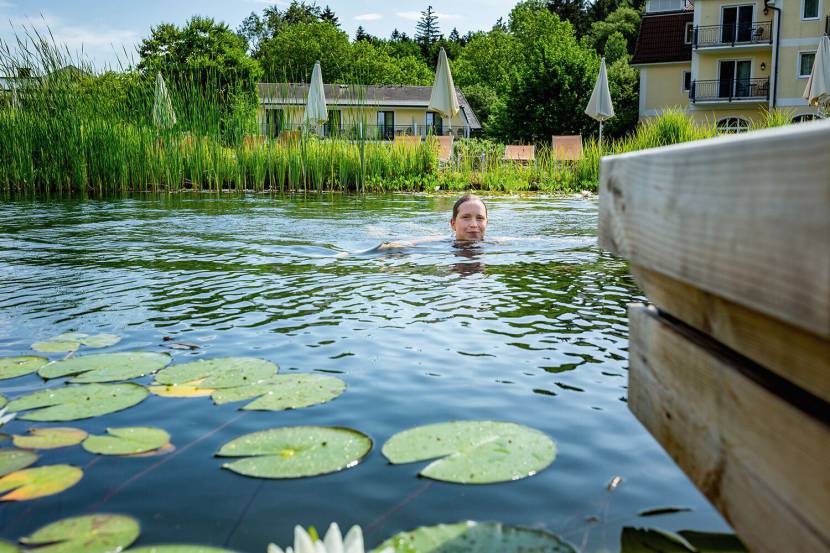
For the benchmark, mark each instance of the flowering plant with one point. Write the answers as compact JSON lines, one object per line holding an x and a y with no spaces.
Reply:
{"x":332,"y":543}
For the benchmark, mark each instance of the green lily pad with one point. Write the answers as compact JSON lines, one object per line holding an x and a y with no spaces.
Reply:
{"x":179,"y":549}
{"x":85,"y":534}
{"x":6,"y":547}
{"x":127,"y":441}
{"x":100,"y":340}
{"x":473,"y":452}
{"x":12,"y":367}
{"x":14,"y":459}
{"x":296,"y":451}
{"x":38,"y":482}
{"x":78,"y":402}
{"x":56,"y":346}
{"x":49,"y":438}
{"x":290,"y":391}
{"x":3,"y":400}
{"x":107,"y":367}
{"x":224,"y":372}
{"x":473,"y":537}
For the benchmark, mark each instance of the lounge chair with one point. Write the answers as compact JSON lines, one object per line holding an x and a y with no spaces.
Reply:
{"x":444,"y":148}
{"x":567,"y":147}
{"x":290,"y":136}
{"x":253,"y":141}
{"x":519,"y":154}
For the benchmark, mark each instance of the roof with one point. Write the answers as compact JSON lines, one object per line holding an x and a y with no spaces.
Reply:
{"x":360,"y":95}
{"x":661,"y":38}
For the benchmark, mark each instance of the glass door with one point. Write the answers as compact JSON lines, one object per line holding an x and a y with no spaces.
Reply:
{"x":726,"y":80}
{"x":434,"y":123}
{"x":743,"y":71}
{"x":736,"y":24}
{"x":386,"y":124}
{"x":734,"y":80}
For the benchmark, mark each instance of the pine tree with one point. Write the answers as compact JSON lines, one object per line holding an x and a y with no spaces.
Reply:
{"x":361,"y":34}
{"x":500,"y":25}
{"x":454,"y":36}
{"x":396,"y":35}
{"x":427,"y":31}
{"x":328,"y":15}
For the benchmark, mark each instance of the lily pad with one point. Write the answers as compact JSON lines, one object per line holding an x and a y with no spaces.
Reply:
{"x":100,"y":340}
{"x":78,"y":402}
{"x":15,"y":459}
{"x":473,"y":452}
{"x":296,"y":451}
{"x":49,"y":438}
{"x":6,"y":547}
{"x":127,"y":441}
{"x":224,"y":372}
{"x":85,"y":534}
{"x":3,"y":400}
{"x":291,"y":391}
{"x":107,"y":367}
{"x":713,"y":542}
{"x":649,"y":540}
{"x":191,"y":389}
{"x":179,"y":549}
{"x":55,"y":346}
{"x":473,"y":537}
{"x":12,"y":367}
{"x":38,"y":482}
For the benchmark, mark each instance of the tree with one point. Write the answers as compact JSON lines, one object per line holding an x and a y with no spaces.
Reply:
{"x":624,"y":84}
{"x":616,"y":48}
{"x":427,"y":31}
{"x":500,"y":25}
{"x":300,"y":12}
{"x":454,"y":36}
{"x":624,"y":20}
{"x":290,"y":55}
{"x":573,"y":11}
{"x":361,"y":34}
{"x":482,"y":98}
{"x":328,"y":15}
{"x":492,"y":59}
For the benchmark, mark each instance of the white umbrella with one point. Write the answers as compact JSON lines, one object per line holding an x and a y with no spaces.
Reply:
{"x":818,"y":85}
{"x":600,"y":106}
{"x":163,"y":115}
{"x":315,"y":107}
{"x":443,"y":98}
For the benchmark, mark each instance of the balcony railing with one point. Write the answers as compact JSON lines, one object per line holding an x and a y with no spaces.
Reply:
{"x":387,"y":132}
{"x":729,"y":90}
{"x":708,"y":36}
{"x":655,"y":6}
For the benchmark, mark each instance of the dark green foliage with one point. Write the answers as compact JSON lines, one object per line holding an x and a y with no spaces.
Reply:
{"x":427,"y":31}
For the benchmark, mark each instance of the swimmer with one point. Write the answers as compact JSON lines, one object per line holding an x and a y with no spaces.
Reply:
{"x":468,"y":223}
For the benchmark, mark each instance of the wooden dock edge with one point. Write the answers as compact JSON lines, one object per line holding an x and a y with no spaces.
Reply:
{"x":761,"y":460}
{"x":798,"y":356}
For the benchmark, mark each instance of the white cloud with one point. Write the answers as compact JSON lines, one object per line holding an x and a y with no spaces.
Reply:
{"x":412,"y":16}
{"x":368,"y":17}
{"x":447,"y":16}
{"x":6,"y":4}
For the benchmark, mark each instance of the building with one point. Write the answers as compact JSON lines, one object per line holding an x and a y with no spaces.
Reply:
{"x":376,"y":112}
{"x":727,"y":61}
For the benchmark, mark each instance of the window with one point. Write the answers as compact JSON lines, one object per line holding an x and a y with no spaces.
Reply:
{"x":690,"y":33}
{"x":687,"y":81}
{"x":386,"y":124}
{"x":733,"y":125}
{"x":805,"y":117}
{"x":809,"y":9}
{"x":273,"y":122}
{"x":805,"y":64}
{"x":434,"y":123}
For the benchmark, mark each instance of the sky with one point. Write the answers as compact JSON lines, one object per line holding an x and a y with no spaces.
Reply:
{"x":104,"y":29}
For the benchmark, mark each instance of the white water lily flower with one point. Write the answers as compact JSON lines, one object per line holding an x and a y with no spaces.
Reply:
{"x":332,"y":543}
{"x":4,"y":418}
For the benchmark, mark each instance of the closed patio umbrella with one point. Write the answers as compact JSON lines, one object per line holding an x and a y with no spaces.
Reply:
{"x":163,"y":115}
{"x":818,"y":85}
{"x":315,"y":107}
{"x":600,"y":106}
{"x":443,"y":98}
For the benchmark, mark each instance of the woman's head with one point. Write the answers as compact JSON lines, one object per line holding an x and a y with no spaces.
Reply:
{"x":469,"y":218}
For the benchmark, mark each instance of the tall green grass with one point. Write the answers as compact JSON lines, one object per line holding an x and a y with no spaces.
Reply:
{"x":75,"y":131}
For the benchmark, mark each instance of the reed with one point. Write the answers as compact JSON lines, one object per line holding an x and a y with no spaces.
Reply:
{"x":68,"y":130}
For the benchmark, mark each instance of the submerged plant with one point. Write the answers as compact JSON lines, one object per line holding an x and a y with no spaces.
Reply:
{"x":304,"y":542}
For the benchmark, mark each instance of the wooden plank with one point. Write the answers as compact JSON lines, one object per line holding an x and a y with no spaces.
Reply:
{"x":761,"y":460}
{"x":798,"y":356}
{"x":746,"y":218}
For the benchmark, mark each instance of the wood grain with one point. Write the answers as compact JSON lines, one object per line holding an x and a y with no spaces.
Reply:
{"x":761,"y":460}
{"x":746,"y":218}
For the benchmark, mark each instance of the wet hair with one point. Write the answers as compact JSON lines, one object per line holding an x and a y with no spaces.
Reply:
{"x":463,"y":199}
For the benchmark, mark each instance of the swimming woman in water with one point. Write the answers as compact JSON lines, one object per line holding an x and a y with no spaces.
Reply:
{"x":469,"y":218}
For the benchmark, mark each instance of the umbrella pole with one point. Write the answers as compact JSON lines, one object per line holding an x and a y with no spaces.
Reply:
{"x":600,"y":136}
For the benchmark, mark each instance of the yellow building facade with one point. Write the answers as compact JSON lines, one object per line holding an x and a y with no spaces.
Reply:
{"x":735,"y":59}
{"x":374,"y":112}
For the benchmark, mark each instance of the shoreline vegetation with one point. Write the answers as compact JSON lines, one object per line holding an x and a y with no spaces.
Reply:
{"x":67,"y":130}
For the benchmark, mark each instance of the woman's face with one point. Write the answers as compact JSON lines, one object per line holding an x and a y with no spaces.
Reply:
{"x":470,"y":222}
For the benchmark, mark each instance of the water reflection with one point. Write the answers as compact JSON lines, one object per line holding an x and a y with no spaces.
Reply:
{"x":473,"y":253}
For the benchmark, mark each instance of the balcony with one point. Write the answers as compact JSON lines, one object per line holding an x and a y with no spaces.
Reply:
{"x":389,"y":132}
{"x":657,"y":6}
{"x":735,"y":35}
{"x":724,"y":91}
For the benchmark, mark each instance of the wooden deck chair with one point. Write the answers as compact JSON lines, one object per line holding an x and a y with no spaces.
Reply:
{"x":290,"y":136}
{"x":444,"y":148}
{"x":250,"y":142}
{"x":567,"y":147}
{"x":519,"y":154}
{"x":408,"y":140}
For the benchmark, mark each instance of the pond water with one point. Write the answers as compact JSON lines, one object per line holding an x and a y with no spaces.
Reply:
{"x":532,"y":330}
